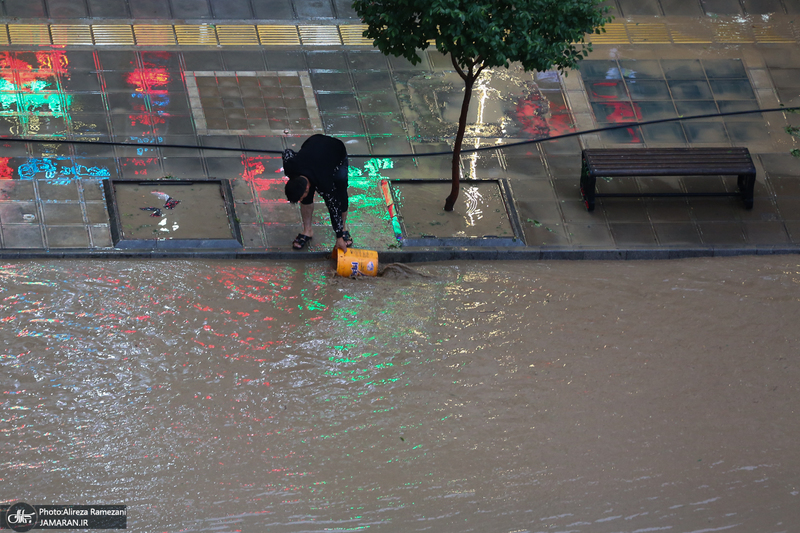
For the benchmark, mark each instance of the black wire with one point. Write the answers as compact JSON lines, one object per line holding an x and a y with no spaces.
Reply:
{"x":425,"y":154}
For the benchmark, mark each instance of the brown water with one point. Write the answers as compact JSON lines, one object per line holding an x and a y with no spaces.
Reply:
{"x":501,"y":397}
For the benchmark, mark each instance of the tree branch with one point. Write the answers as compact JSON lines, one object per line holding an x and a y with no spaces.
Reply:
{"x":458,"y":67}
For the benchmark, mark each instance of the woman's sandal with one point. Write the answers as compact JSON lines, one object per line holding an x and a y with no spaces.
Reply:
{"x":348,"y":240}
{"x":300,"y":241}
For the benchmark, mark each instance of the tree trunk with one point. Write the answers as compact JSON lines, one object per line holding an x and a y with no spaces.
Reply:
{"x":469,"y":82}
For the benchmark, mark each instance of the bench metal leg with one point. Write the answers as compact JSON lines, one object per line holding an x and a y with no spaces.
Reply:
{"x":747,"y":183}
{"x":588,"y":184}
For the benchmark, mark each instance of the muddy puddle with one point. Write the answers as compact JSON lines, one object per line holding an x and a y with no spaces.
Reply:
{"x":517,"y":396}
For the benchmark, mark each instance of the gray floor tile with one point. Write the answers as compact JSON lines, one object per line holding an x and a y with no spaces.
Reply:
{"x":756,"y":7}
{"x":589,"y":235}
{"x":313,"y":9}
{"x":765,"y":233}
{"x":19,"y":213}
{"x":67,"y":9}
{"x":373,"y":81}
{"x":732,"y":90}
{"x":281,"y":212}
{"x":722,"y":233}
{"x":690,"y":90}
{"x":367,"y":60}
{"x":383,"y":124}
{"x":640,"y":7}
{"x":273,"y":9}
{"x":531,"y":167}
{"x":81,"y":81}
{"x":150,"y":9}
{"x":627,"y":210}
{"x":746,"y":132}
{"x":343,"y":125}
{"x":67,"y":236}
{"x":785,"y":186}
{"x":231,"y":9}
{"x":785,"y":77}
{"x":724,"y":68}
{"x":677,"y":234}
{"x":648,"y":90}
{"x":331,"y":81}
{"x":247,"y":213}
{"x":338,"y":103}
{"x":617,"y":186}
{"x":62,"y":214}
{"x":289,"y":60}
{"x":716,"y":209}
{"x":280,"y":236}
{"x":705,"y":132}
{"x":22,"y":236}
{"x":606,"y":90}
{"x":722,"y":7}
{"x":96,"y":212}
{"x":669,"y":134}
{"x":327,"y":61}
{"x":17,"y":190}
{"x":789,"y":97}
{"x":190,"y":9}
{"x":681,"y":8}
{"x":202,"y":60}
{"x":632,"y":234}
{"x":793,"y":227}
{"x":109,"y":9}
{"x":246,"y":60}
{"x":142,"y":168}
{"x":252,"y":236}
{"x":378,"y":102}
{"x":668,"y":209}
{"x":117,"y":59}
{"x":26,"y":9}
{"x":656,"y":110}
{"x":544,"y":233}
{"x":101,"y":236}
{"x":58,"y":190}
{"x":789,"y":207}
{"x":394,"y":144}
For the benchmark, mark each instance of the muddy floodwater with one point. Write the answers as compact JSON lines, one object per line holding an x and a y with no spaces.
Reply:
{"x":582,"y":397}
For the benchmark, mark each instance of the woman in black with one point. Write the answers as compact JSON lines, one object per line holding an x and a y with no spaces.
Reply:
{"x":320,"y":166}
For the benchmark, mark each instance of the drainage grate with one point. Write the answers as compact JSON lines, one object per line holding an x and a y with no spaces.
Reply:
{"x":253,"y":103}
{"x":113,"y":34}
{"x":64,"y":34}
{"x":279,"y":35}
{"x":38,"y":34}
{"x":154,"y":35}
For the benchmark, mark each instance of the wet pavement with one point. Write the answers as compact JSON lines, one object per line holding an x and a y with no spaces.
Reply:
{"x":302,"y":70}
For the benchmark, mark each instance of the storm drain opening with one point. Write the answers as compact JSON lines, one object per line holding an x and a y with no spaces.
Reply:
{"x":172,"y":214}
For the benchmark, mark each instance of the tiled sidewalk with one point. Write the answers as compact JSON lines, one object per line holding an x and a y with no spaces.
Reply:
{"x":52,"y":200}
{"x":286,"y":10}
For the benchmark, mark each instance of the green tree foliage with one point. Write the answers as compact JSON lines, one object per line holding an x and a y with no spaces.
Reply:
{"x":476,"y":34}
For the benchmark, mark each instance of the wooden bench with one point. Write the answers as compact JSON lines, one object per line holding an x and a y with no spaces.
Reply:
{"x":630,"y":163}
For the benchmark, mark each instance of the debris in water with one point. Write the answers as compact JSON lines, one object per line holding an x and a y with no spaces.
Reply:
{"x":156,"y":212}
{"x":169,"y":201}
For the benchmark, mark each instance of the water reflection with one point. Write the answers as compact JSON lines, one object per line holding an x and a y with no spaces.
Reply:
{"x":214,"y":396}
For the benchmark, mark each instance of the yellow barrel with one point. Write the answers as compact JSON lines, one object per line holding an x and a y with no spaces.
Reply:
{"x":356,"y":262}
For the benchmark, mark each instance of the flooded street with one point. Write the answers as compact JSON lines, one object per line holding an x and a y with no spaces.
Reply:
{"x":582,"y":397}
